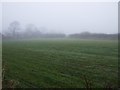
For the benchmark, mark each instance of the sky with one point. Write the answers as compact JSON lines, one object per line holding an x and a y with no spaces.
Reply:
{"x":0,"y":17}
{"x":63,"y":17}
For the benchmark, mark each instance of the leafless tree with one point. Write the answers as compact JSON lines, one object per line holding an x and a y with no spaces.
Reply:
{"x":14,"y":27}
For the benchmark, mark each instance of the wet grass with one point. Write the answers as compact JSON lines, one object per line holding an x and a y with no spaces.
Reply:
{"x":61,"y":63}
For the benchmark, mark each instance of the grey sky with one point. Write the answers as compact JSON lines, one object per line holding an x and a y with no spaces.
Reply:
{"x":98,"y":17}
{"x":0,"y":17}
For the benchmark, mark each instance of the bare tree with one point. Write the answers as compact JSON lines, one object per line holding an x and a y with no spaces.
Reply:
{"x":32,"y":31}
{"x":14,"y":27}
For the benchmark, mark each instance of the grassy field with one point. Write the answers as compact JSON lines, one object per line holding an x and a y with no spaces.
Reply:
{"x":61,"y":63}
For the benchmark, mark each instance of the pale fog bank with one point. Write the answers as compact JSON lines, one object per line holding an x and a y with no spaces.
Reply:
{"x":61,"y":17}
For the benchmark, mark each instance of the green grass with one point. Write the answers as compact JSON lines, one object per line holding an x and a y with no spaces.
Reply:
{"x":61,"y":63}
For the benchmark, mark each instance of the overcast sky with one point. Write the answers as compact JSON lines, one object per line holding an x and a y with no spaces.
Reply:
{"x":69,"y":17}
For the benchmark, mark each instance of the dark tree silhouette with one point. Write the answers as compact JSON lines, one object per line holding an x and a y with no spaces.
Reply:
{"x":14,"y":27}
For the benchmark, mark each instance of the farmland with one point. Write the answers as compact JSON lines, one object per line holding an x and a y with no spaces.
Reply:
{"x":61,"y":63}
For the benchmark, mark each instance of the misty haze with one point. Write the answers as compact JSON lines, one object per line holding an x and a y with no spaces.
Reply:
{"x":60,"y":44}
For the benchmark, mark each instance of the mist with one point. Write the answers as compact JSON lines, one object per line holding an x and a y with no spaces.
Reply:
{"x":59,"y":44}
{"x":63,"y":17}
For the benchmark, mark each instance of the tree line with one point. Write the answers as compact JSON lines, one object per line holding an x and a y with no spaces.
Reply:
{"x":88,"y":35}
{"x":14,"y":31}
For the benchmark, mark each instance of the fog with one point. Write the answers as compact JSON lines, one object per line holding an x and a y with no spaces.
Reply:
{"x":61,"y":17}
